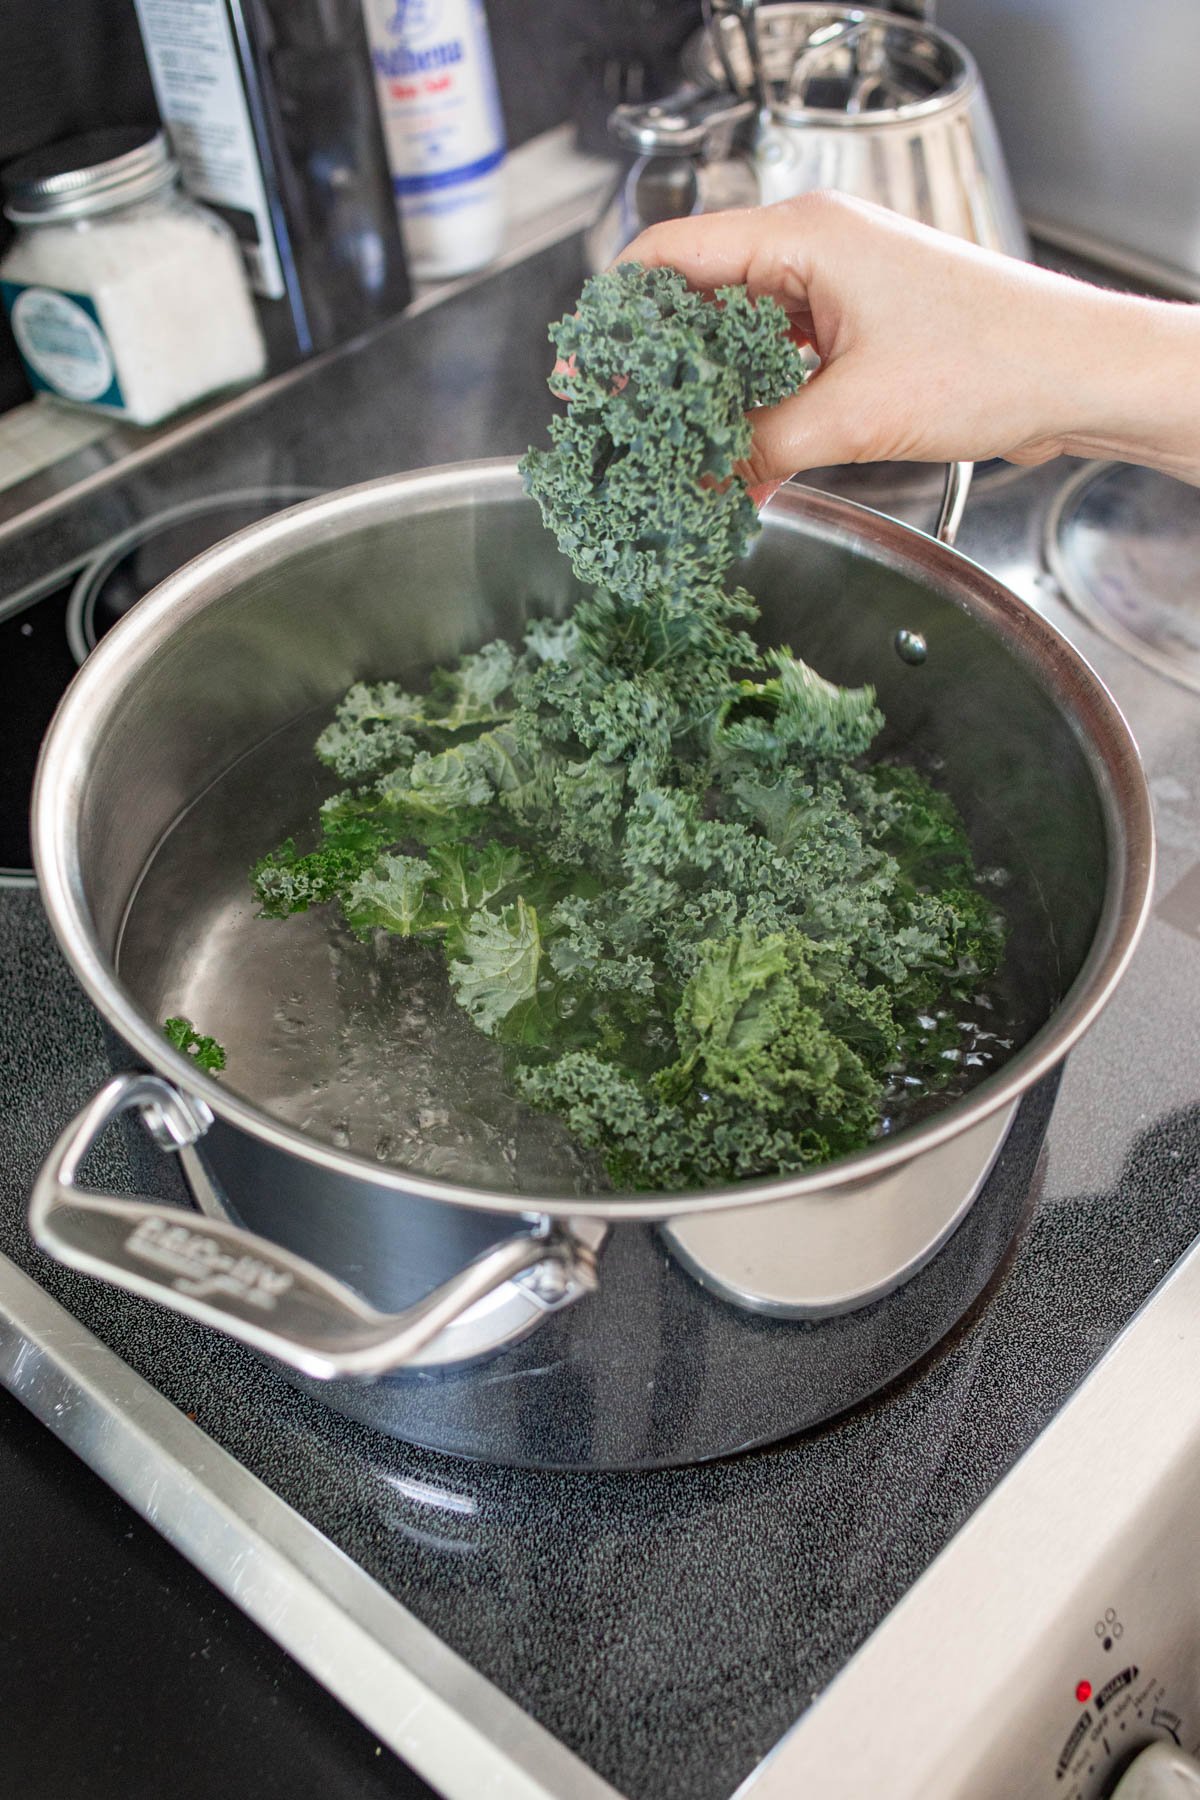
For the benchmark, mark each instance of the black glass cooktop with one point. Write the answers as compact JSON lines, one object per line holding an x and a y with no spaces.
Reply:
{"x":35,"y":666}
{"x":666,"y":1626}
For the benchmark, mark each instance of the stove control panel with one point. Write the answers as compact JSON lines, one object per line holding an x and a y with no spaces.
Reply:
{"x":1124,"y":1693}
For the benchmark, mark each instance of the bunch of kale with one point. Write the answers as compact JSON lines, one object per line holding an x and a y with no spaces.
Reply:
{"x":663,"y":872}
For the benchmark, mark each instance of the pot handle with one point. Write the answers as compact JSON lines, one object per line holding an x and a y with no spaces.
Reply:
{"x":954,"y":501}
{"x":251,"y":1289}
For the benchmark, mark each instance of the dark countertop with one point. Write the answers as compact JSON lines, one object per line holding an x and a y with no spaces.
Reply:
{"x":460,"y":380}
{"x":127,"y":1675}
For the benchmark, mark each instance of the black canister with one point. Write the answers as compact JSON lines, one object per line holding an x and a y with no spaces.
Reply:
{"x":271,"y":114}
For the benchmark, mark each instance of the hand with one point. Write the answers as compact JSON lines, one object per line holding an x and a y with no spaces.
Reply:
{"x":934,"y":350}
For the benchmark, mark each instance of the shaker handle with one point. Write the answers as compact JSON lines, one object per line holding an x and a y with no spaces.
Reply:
{"x":680,"y":124}
{"x":255,"y":1291}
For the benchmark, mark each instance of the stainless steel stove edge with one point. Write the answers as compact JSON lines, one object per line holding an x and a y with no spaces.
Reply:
{"x":451,"y":1725}
{"x":997,"y":1677}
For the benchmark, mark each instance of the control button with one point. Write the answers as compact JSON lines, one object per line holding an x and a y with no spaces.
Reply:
{"x":1108,"y":1693}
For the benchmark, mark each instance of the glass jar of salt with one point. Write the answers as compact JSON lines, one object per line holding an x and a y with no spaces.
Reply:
{"x":124,"y":294}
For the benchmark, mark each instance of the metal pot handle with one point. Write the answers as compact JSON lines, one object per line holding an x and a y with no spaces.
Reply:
{"x":251,"y":1289}
{"x":954,"y":501}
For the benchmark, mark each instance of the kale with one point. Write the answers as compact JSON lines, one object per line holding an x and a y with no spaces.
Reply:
{"x":205,"y":1052}
{"x":712,"y":933}
{"x":639,"y":484}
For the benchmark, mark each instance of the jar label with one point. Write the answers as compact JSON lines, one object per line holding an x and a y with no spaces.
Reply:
{"x":62,"y":344}
{"x":202,"y":97}
{"x":436,"y":89}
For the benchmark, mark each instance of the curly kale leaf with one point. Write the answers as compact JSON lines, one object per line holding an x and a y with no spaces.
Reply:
{"x":649,"y":1141}
{"x":494,"y":963}
{"x":710,"y":933}
{"x":552,"y":640}
{"x":204,"y":1051}
{"x":471,"y":692}
{"x":782,"y":1056}
{"x":414,"y":896}
{"x":639,"y":484}
{"x":371,"y":730}
{"x":796,"y":715}
{"x":466,"y":879}
{"x":286,"y":882}
{"x":393,"y":895}
{"x":378,"y":728}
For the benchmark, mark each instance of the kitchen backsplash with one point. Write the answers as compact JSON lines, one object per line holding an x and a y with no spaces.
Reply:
{"x":1096,"y":105}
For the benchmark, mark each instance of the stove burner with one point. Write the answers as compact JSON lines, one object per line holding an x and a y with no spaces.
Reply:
{"x":38,"y":656}
{"x":35,"y":667}
{"x":125,"y":569}
{"x":1124,"y":546}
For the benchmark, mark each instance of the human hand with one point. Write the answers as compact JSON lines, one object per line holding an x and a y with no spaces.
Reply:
{"x":933,"y":350}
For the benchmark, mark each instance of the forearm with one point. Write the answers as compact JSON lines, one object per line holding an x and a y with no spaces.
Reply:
{"x":1143,"y":388}
{"x":934,"y":350}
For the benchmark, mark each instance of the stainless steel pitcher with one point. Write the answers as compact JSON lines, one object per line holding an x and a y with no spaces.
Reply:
{"x":782,"y":99}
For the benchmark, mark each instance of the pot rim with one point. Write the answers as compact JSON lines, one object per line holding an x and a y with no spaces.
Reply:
{"x":1063,"y":673}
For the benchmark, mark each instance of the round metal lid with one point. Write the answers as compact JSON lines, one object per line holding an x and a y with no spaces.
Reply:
{"x":88,"y":174}
{"x":1124,"y":546}
{"x":836,"y":65}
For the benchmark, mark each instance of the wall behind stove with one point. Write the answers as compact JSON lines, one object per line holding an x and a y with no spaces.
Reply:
{"x":1096,"y":105}
{"x":75,"y":65}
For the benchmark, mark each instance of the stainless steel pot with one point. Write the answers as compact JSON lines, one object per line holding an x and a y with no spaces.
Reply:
{"x":557,"y":1328}
{"x":850,"y":98}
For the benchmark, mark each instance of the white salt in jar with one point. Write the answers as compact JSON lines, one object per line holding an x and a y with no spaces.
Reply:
{"x":124,"y":295}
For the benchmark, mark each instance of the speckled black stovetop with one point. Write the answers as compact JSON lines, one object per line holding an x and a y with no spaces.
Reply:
{"x":667,"y":1626}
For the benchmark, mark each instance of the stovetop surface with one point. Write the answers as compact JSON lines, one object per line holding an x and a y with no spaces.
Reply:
{"x":667,"y":1626}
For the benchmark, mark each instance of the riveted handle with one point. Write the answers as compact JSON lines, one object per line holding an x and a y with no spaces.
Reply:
{"x":251,"y":1289}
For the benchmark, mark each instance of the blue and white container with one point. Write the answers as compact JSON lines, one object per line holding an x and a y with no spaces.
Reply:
{"x":436,"y":86}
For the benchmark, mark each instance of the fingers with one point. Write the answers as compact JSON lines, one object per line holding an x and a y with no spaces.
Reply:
{"x":824,"y":423}
{"x":761,"y":492}
{"x":755,"y":248}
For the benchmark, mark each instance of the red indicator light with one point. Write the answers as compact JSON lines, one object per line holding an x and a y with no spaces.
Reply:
{"x":1083,"y":1691}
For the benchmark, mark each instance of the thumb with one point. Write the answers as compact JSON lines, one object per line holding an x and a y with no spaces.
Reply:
{"x":821,"y":424}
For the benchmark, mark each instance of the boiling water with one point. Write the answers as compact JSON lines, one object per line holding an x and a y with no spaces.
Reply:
{"x":363,"y":1045}
{"x":360,"y":1045}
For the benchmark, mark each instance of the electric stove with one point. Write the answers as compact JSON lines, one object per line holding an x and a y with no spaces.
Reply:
{"x":886,"y":1605}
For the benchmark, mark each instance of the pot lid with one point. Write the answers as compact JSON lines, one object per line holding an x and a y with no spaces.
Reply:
{"x":832,"y":65}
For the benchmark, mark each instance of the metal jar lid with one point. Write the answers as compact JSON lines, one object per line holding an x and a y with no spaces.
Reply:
{"x":84,"y":175}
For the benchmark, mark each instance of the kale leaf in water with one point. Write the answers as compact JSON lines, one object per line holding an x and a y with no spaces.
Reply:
{"x":204,"y":1051}
{"x":665,"y":872}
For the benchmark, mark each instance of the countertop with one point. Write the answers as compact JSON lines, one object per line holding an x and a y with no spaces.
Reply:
{"x":127,"y":1675}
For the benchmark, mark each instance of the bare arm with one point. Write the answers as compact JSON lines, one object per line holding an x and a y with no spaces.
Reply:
{"x":934,"y":350}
